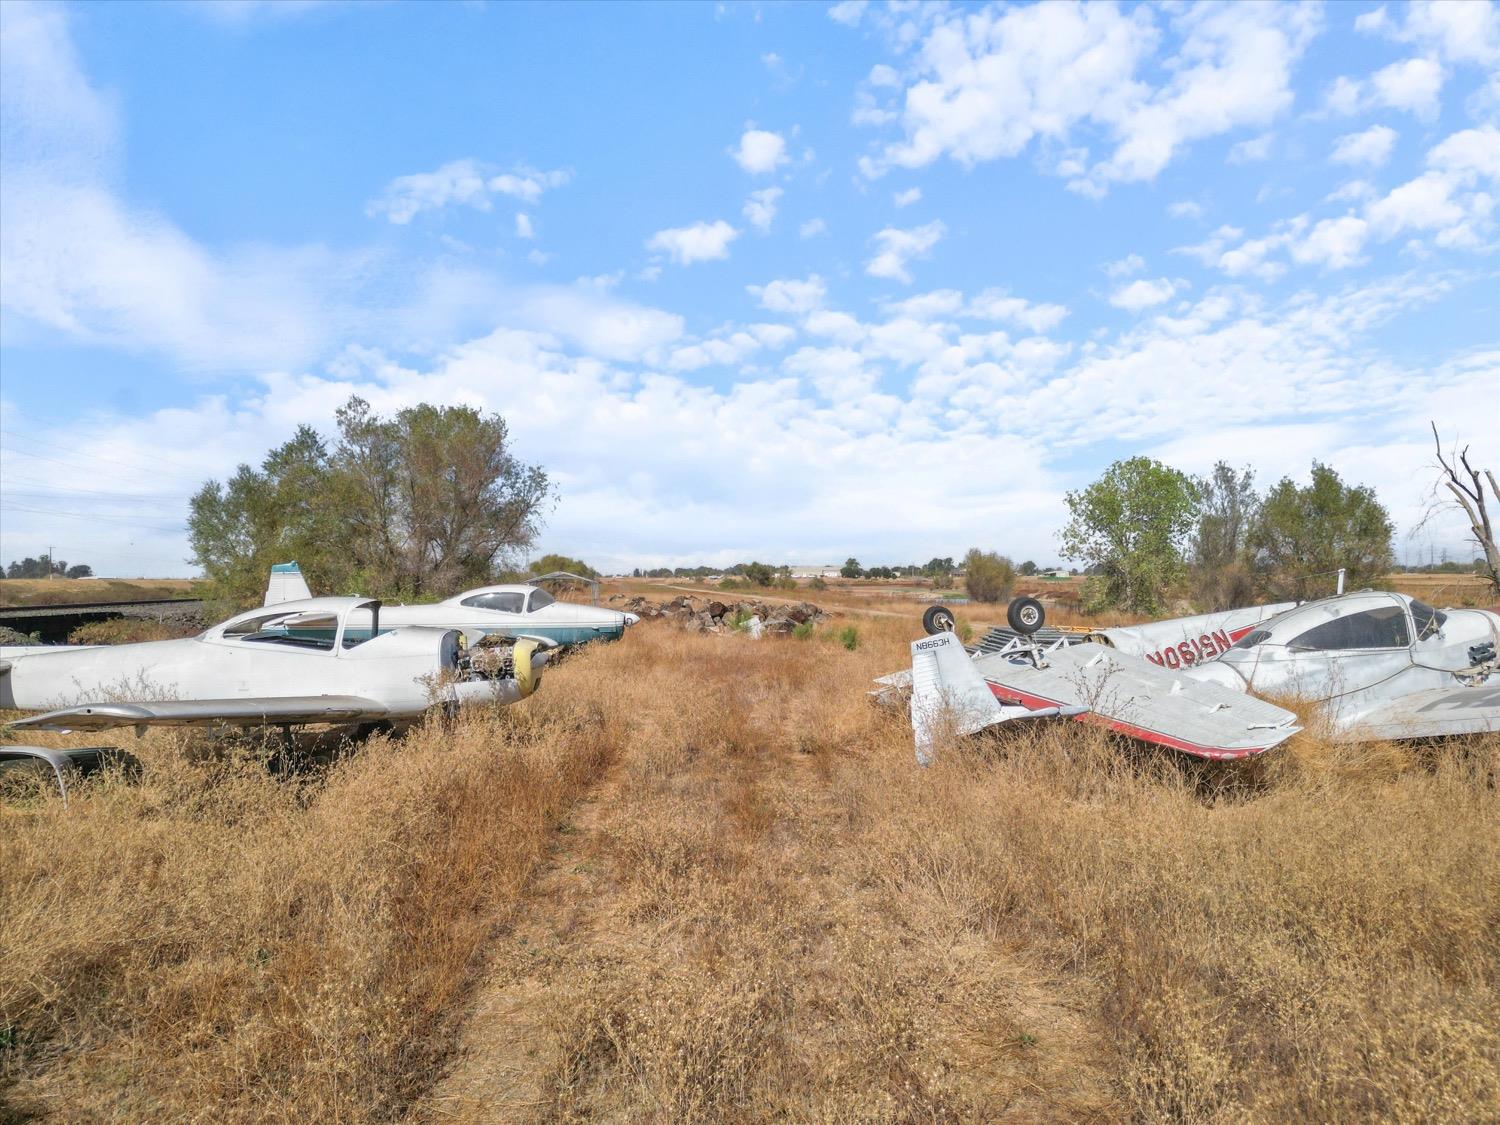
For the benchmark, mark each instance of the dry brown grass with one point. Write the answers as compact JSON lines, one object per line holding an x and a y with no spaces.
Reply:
{"x":68,"y":591}
{"x":701,"y":878}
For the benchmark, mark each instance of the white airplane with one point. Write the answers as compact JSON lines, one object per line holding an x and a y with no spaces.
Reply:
{"x":1376,"y":665}
{"x":317,"y":660}
{"x":508,"y":610}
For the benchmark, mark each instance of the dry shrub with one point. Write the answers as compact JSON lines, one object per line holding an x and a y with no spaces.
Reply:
{"x":130,"y":630}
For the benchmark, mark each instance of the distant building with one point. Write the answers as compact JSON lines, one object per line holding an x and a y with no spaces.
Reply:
{"x":814,"y":571}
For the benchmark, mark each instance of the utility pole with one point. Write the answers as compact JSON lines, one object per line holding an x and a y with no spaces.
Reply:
{"x":49,"y":562}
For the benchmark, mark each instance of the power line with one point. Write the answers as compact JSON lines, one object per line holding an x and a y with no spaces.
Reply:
{"x":90,"y":516}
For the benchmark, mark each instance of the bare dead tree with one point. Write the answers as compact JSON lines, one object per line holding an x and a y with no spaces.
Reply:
{"x":1467,"y":488}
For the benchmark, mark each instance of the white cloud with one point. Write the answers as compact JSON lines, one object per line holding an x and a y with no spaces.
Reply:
{"x":882,"y":76}
{"x":760,"y":152}
{"x":730,"y":349}
{"x":1252,"y":151}
{"x":790,"y":295}
{"x":990,"y":81}
{"x":466,"y":182}
{"x":1143,"y":294}
{"x":524,"y":228}
{"x":1452,"y":201}
{"x":1412,"y":85}
{"x":1355,"y":191}
{"x":1335,"y":243}
{"x":848,"y":12}
{"x":833,"y":325}
{"x":1460,"y":32}
{"x":996,"y":304}
{"x":895,"y":248}
{"x":1371,"y":148}
{"x":1124,"y":267}
{"x":908,"y":197}
{"x":760,"y":208}
{"x":701,"y":242}
{"x":1185,"y":209}
{"x":812,"y":228}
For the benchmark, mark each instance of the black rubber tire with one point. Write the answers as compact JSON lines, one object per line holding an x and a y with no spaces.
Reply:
{"x":1025,"y":615}
{"x":938,"y":619}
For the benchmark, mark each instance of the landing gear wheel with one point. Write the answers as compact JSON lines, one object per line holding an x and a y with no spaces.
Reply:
{"x":1025,"y":615}
{"x":938,"y":619}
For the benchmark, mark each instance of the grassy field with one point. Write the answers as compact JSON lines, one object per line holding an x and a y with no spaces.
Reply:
{"x":69,"y":591}
{"x":700,"y":878}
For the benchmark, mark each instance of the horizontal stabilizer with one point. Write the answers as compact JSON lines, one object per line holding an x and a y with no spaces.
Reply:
{"x":288,"y":710}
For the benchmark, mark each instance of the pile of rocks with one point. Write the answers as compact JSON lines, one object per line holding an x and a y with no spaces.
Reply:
{"x":710,"y":615}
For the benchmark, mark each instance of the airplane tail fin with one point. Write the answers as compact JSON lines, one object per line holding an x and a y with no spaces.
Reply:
{"x":948,"y":695}
{"x":286,"y":584}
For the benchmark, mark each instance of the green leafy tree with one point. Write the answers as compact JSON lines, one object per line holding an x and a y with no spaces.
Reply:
{"x":759,"y":573}
{"x":425,"y":502}
{"x":1228,"y":504}
{"x":989,"y":577}
{"x":1304,"y":534}
{"x":1132,"y":526}
{"x":548,"y":563}
{"x":1027,"y":569}
{"x":851,"y":568}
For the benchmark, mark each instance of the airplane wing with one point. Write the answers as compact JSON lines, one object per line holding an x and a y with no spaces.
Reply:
{"x":1431,"y":714}
{"x":1130,"y":695}
{"x":286,"y":710}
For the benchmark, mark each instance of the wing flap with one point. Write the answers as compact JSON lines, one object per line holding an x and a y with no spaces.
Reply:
{"x":292,"y":710}
{"x":1459,"y":709}
{"x":1135,"y":697}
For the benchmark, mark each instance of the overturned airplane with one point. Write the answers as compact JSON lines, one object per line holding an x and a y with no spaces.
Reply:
{"x":517,"y":611}
{"x":317,"y":660}
{"x":1376,"y":665}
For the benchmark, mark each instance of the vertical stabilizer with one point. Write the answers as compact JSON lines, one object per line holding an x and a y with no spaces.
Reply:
{"x":286,"y":584}
{"x":947,"y":693}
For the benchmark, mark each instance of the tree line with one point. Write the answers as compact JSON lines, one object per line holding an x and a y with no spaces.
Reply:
{"x":46,"y":568}
{"x":1145,"y":530}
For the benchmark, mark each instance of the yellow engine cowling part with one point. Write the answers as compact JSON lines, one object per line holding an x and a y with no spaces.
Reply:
{"x":527,"y":677}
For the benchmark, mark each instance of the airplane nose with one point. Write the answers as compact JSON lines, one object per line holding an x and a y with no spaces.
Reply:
{"x":632,"y":618}
{"x":1217,"y":672}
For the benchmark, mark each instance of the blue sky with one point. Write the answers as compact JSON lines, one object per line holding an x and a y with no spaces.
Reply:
{"x":784,"y":281}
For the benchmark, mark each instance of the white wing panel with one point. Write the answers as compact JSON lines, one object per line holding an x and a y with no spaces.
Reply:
{"x":230,"y":712}
{"x":1430,"y":714}
{"x":1137,"y":698}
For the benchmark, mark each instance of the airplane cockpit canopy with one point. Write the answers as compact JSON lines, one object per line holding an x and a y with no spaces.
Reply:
{"x":502,"y":601}
{"x":1380,"y":627}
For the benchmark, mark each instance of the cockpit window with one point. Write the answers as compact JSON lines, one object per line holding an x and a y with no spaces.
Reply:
{"x":539,"y":599}
{"x":1376,"y":628}
{"x":1251,"y":639}
{"x":1427,"y":620}
{"x":296,"y":630}
{"x":502,"y":601}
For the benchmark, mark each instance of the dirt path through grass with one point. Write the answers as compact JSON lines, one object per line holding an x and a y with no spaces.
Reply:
{"x":707,"y":941}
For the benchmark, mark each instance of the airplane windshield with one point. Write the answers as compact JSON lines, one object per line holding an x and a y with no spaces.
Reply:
{"x":540,"y":599}
{"x":1376,"y":628}
{"x":1427,"y":620}
{"x":1251,"y":639}
{"x":503,"y":601}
